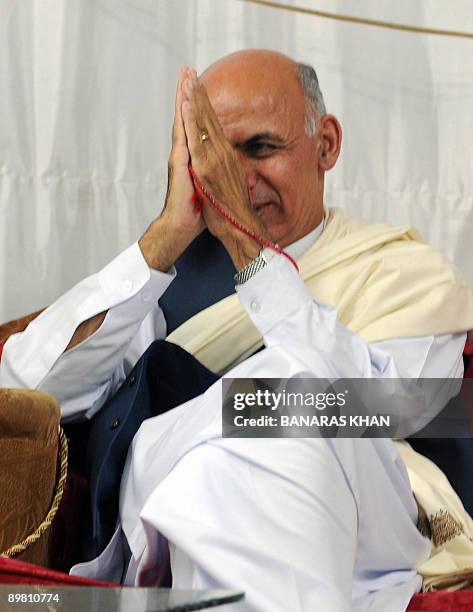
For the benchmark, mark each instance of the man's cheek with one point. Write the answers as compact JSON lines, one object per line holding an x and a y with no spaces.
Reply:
{"x":278,"y":176}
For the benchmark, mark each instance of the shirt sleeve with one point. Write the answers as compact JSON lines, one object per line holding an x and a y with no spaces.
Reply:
{"x":284,"y":311}
{"x":82,"y":378}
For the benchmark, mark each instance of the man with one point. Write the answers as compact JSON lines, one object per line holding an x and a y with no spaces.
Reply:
{"x":295,"y":523}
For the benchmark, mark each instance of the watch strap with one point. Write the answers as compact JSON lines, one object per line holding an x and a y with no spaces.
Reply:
{"x":254,"y":266}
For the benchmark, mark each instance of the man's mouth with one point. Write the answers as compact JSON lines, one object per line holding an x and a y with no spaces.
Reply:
{"x":260,"y":207}
{"x":268,"y":212}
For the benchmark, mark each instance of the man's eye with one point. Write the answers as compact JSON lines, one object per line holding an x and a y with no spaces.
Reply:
{"x":260,"y":149}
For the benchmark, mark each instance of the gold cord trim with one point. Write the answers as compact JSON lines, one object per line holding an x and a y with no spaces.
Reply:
{"x":444,"y":527}
{"x":360,"y":20}
{"x":38,"y":532}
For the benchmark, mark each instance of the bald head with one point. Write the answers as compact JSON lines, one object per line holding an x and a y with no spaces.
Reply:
{"x":272,"y":71}
{"x":257,"y":62}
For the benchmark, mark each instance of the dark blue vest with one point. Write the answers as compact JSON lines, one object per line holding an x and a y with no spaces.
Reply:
{"x":204,"y":276}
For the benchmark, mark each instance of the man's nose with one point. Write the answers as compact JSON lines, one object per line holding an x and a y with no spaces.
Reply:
{"x":250,"y":170}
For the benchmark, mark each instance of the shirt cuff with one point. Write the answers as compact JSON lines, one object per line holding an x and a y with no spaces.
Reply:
{"x":128,"y":273}
{"x":273,"y":293}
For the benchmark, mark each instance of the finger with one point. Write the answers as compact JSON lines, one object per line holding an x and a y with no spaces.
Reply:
{"x":206,"y":115}
{"x":194,"y":97}
{"x":193,"y":131}
{"x":187,"y":78}
{"x":178,"y":132}
{"x":206,"y":108}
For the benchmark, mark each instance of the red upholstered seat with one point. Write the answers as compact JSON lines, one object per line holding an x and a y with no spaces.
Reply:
{"x":459,"y":601}
{"x":18,"y":572}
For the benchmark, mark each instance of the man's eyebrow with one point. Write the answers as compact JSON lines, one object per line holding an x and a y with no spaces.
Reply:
{"x":256,"y":138}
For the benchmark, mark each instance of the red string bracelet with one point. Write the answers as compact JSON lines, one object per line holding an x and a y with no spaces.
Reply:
{"x":198,"y":203}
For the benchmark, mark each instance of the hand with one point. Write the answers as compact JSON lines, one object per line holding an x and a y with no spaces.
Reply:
{"x":169,"y":235}
{"x":179,"y":206}
{"x":216,"y":165}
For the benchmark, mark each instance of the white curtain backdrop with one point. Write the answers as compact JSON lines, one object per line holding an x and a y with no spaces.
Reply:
{"x":86,"y":100}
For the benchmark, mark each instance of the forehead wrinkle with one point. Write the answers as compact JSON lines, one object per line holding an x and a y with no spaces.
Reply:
{"x":241,"y":117}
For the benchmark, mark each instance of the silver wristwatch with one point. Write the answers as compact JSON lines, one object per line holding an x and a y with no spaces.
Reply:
{"x":254,"y":266}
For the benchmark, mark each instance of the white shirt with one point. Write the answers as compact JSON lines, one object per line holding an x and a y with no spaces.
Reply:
{"x":297,"y":524}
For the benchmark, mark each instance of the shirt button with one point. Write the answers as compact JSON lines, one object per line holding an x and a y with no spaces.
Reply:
{"x":146,"y":295}
{"x":255,"y":306}
{"x":127,"y":286}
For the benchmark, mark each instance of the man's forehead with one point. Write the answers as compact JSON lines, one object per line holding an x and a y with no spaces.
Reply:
{"x":254,"y":94}
{"x":231,"y":103}
{"x":243,"y":117}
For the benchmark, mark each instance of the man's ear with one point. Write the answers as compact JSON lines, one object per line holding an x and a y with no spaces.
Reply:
{"x":330,"y":141}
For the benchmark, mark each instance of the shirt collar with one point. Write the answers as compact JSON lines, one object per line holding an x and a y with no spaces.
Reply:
{"x":299,"y":247}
